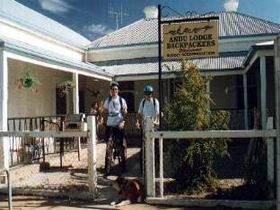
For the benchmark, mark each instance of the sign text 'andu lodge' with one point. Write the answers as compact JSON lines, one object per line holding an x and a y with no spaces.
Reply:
{"x":190,"y":40}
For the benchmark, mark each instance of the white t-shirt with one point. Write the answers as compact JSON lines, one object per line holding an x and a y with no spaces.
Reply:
{"x":149,"y":109}
{"x":114,"y":110}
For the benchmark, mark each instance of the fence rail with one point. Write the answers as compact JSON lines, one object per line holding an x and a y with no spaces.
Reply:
{"x":90,"y":154}
{"x":42,"y":134}
{"x":214,"y":134}
{"x":150,"y":183}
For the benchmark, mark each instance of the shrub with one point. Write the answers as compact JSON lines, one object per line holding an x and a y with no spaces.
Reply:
{"x":190,"y":110}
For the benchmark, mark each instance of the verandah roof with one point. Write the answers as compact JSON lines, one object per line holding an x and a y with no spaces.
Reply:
{"x":218,"y":65}
{"x":43,"y":55}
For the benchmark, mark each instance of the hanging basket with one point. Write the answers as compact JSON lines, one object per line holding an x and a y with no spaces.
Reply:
{"x":65,"y":87}
{"x":28,"y":81}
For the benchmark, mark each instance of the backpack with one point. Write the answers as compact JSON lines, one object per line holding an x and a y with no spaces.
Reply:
{"x":120,"y":99}
{"x":143,"y":103}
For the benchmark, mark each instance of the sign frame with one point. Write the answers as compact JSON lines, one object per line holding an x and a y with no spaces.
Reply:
{"x":190,"y":40}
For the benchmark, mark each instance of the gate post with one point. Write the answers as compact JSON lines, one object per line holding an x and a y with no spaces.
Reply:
{"x":150,"y":159}
{"x":92,"y":172}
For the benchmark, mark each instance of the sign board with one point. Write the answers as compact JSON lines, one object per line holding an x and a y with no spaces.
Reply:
{"x":190,"y":40}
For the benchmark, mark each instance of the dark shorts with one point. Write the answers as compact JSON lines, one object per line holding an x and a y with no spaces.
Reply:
{"x":116,"y":134}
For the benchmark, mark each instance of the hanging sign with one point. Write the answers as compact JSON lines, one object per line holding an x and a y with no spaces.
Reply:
{"x":190,"y":40}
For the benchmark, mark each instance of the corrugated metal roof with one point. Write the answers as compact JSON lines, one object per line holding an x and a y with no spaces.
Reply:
{"x":231,"y":24}
{"x":16,"y":12}
{"x":50,"y":57}
{"x":237,"y":24}
{"x":204,"y":64}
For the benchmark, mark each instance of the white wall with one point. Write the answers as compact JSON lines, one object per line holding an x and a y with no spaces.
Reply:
{"x":122,"y":53}
{"x":27,"y":103}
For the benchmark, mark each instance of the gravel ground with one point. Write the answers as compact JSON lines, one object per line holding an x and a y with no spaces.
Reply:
{"x":70,"y":180}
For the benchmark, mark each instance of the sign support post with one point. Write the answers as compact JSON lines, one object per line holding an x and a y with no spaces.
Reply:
{"x":159,"y":66}
{"x":185,"y":38}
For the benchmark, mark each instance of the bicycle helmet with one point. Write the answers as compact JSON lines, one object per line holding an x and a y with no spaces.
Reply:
{"x":148,"y":89}
{"x":114,"y":84}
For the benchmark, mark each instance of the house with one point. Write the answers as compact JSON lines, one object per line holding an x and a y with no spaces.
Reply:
{"x":245,"y":52}
{"x":32,"y":43}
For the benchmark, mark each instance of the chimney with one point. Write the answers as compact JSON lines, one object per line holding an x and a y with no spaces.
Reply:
{"x":151,"y":12}
{"x":231,"y":5}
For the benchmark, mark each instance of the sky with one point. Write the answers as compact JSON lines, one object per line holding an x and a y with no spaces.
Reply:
{"x":96,"y":18}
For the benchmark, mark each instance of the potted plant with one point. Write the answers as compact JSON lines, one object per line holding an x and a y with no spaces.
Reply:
{"x":64,"y":87}
{"x":29,"y":81}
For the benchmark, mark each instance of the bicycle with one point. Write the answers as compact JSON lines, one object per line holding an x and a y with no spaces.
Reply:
{"x":116,"y":148}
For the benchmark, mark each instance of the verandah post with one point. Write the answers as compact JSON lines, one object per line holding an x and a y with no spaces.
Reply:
{"x":270,"y":156}
{"x":4,"y":143}
{"x":76,"y":108}
{"x":92,"y":172}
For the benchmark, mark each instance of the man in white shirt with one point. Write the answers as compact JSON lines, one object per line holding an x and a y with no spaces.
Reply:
{"x":116,"y":107}
{"x":148,"y":107}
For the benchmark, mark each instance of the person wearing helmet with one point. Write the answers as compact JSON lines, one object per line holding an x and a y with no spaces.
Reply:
{"x":116,"y":108}
{"x":148,"y":107}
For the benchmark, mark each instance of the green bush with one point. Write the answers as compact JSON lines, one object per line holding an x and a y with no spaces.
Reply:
{"x":193,"y":164}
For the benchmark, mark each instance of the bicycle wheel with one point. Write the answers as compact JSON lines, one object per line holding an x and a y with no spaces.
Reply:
{"x":123,"y":155}
{"x":108,"y":157}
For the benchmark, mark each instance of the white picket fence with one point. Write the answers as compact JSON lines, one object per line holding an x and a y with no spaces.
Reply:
{"x":151,"y":180}
{"x":151,"y":135}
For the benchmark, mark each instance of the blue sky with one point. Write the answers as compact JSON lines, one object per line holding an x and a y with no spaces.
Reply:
{"x":91,"y":18}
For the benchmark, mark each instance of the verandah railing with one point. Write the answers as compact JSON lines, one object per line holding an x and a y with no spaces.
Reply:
{"x":33,"y":149}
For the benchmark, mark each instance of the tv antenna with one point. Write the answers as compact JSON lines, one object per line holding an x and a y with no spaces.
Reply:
{"x":118,"y":15}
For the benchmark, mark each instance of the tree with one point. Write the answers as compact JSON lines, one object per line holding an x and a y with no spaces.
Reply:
{"x":190,"y":110}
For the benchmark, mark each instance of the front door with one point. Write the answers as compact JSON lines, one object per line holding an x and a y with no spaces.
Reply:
{"x":61,"y":103}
